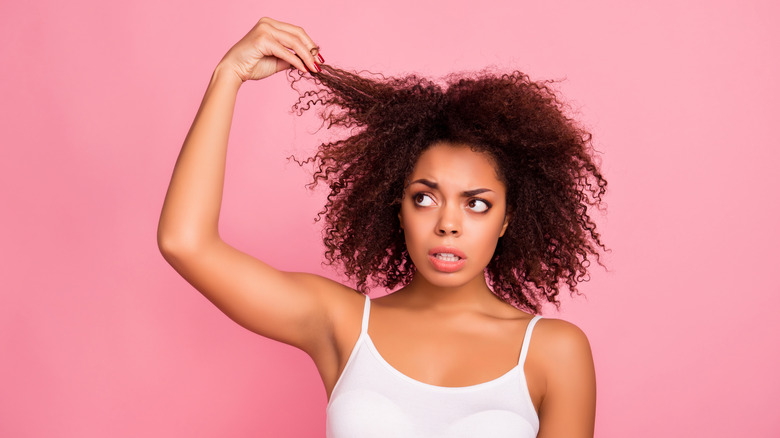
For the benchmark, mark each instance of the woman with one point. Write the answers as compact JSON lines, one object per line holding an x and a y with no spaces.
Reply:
{"x":434,"y":189}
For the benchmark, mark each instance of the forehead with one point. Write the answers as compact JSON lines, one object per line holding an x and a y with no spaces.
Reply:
{"x":456,"y":164}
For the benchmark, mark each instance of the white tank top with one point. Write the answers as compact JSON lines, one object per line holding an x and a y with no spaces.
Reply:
{"x":372,"y":399}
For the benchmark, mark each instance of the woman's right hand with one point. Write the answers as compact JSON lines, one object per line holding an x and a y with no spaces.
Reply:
{"x":271,"y":46}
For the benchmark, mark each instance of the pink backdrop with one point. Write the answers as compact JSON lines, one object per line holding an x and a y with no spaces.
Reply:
{"x":99,"y":337}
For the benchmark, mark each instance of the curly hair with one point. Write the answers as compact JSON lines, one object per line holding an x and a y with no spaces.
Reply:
{"x":545,"y":159}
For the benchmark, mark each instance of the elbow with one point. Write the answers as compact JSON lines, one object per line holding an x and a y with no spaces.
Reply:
{"x":177,"y":245}
{"x":169,"y":245}
{"x":166,"y":244}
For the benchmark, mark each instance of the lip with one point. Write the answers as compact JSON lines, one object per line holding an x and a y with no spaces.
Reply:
{"x":444,"y":265}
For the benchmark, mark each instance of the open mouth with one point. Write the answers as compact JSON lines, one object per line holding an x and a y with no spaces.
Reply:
{"x":447,"y":259}
{"x":446,"y":256}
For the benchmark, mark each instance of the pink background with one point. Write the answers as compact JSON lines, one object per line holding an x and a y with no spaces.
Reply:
{"x":99,"y":337}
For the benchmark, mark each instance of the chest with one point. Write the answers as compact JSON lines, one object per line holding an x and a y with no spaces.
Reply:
{"x":450,"y":352}
{"x":436,"y":381}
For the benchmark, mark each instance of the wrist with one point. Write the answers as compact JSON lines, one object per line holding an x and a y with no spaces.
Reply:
{"x":226,"y":76}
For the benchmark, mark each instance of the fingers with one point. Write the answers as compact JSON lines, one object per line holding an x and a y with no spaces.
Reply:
{"x":299,"y":48}
{"x":285,"y":56}
{"x":294,"y":45}
{"x":296,"y":30}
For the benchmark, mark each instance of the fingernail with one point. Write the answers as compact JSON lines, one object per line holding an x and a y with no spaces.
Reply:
{"x":318,"y":67}
{"x":321,"y":59}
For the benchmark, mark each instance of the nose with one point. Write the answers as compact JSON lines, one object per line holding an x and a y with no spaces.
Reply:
{"x":449,"y":223}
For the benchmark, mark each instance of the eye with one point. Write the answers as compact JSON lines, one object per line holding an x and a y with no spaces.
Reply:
{"x":478,"y":205}
{"x":423,"y":200}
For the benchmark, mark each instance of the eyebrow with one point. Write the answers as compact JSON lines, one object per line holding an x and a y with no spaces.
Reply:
{"x":434,"y":185}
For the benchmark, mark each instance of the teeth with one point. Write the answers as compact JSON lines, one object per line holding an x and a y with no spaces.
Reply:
{"x":447,"y":257}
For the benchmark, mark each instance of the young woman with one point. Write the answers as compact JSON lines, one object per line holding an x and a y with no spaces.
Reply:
{"x":472,"y":197}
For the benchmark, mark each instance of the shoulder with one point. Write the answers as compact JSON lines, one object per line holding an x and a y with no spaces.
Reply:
{"x":336,"y":299}
{"x":339,"y":309}
{"x":559,"y":338}
{"x":331,"y":308}
{"x":560,"y":352}
{"x":561,"y":358}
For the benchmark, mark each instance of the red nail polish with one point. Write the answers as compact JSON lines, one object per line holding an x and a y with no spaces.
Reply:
{"x":322,"y":61}
{"x":318,"y":67}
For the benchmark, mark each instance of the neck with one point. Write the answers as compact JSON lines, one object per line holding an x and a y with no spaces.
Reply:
{"x":474,"y":295}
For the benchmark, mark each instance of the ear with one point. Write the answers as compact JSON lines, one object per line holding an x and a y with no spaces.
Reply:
{"x":507,"y":217}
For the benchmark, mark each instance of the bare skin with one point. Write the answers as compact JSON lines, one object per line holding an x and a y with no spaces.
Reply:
{"x":444,"y":328}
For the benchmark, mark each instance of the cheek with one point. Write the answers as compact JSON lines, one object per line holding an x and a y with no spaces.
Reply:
{"x":417,"y":229}
{"x":415,"y":245}
{"x":485,"y":238}
{"x":414,"y":230}
{"x":412,"y":220}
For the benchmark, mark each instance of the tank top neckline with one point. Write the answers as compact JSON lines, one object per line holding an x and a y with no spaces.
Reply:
{"x":430,"y":386}
{"x":372,"y":347}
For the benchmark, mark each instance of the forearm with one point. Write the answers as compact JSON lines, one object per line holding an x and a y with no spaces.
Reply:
{"x":190,"y":214}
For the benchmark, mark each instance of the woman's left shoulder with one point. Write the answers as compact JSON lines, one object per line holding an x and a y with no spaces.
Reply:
{"x":558,"y":343}
{"x":559,"y":370}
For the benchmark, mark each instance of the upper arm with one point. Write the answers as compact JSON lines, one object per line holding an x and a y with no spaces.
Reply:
{"x":568,"y":406}
{"x":293,"y":308}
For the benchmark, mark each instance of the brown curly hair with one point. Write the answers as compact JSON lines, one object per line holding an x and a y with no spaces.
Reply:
{"x":545,"y":159}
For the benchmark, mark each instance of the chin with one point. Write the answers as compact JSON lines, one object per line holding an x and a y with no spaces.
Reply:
{"x":449,"y":279}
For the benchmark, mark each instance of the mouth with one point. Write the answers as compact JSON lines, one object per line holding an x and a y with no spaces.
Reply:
{"x":446,"y":256}
{"x":446,"y":259}
{"x":447,"y":253}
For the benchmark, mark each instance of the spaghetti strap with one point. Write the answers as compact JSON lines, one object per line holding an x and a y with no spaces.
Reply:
{"x":527,"y":339}
{"x":366,"y":311}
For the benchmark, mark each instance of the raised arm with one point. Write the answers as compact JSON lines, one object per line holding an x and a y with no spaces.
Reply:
{"x":296,"y":309}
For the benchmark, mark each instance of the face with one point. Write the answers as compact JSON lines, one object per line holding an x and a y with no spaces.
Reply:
{"x":452,"y":214}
